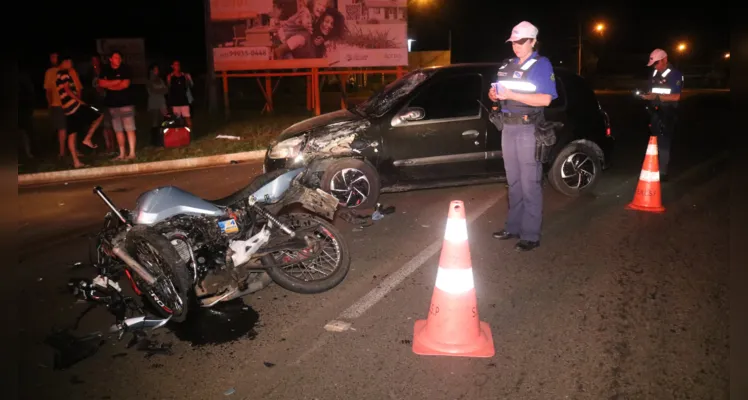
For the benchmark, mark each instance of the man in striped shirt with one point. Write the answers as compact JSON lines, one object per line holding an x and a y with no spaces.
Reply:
{"x":79,"y":116}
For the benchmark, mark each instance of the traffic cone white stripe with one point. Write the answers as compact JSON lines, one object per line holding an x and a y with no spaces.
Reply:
{"x":454,"y":281}
{"x":652,"y":150}
{"x":649,"y":176}
{"x":456,"y":230}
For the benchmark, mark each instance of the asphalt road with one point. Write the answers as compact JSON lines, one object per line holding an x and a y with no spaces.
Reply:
{"x":615,"y":304}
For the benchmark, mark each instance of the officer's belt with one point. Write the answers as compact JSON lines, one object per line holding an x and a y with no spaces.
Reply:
{"x":519,"y":118}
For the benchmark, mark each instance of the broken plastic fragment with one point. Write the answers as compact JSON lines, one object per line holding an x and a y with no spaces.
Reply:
{"x":337,"y":326}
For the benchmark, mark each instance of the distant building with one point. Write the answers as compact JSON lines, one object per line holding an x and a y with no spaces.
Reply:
{"x":374,"y":11}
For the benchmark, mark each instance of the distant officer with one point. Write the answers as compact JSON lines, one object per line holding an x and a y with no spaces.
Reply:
{"x":664,"y":94}
{"x":525,"y":86}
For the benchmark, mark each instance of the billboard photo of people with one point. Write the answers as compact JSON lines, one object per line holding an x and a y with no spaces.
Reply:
{"x":283,"y":34}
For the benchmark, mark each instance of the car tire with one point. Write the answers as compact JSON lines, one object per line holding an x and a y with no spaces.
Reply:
{"x":570,"y":172}
{"x":342,"y":172}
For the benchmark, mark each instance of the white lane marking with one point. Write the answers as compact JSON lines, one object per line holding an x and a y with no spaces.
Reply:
{"x":394,"y":279}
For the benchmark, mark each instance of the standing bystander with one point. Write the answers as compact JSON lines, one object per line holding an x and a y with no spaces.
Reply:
{"x":115,"y":79}
{"x":78,"y":115}
{"x":179,"y":85}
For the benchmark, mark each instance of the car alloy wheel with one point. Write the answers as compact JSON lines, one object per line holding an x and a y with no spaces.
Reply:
{"x":350,"y":186}
{"x":578,"y":171}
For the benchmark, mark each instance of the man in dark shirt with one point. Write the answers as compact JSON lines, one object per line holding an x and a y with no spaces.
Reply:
{"x":79,"y":116}
{"x":115,"y":79}
{"x":179,"y":83}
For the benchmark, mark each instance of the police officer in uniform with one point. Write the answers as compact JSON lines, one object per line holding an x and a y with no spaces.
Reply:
{"x":525,"y":86}
{"x":664,"y":94}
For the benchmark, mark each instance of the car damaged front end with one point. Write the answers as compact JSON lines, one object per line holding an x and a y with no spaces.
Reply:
{"x":318,"y":146}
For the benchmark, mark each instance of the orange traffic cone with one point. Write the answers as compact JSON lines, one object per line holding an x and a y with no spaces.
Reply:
{"x":453,"y":327}
{"x":648,"y":196}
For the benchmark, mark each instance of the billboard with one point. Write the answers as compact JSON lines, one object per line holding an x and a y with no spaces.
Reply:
{"x":289,"y":34}
{"x":133,"y":53}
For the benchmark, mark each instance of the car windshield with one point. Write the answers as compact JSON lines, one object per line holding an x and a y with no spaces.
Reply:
{"x":381,"y":101}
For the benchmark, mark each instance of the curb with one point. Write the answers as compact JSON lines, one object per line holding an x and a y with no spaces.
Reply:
{"x":133,"y":169}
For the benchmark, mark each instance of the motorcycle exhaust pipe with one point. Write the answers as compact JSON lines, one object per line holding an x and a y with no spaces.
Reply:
{"x":134,"y":265}
{"x":100,"y":192}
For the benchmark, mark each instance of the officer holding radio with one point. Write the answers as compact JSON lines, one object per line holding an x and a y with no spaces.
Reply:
{"x":525,"y":86}
{"x":665,"y":89}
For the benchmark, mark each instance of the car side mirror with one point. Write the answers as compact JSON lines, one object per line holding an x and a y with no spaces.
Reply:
{"x":409,"y":115}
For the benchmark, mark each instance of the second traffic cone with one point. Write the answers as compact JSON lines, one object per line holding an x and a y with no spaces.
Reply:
{"x":648,"y":196}
{"x":453,"y":327}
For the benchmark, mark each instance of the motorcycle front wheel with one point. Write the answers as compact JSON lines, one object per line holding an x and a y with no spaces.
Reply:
{"x":310,"y":275}
{"x":169,"y":296}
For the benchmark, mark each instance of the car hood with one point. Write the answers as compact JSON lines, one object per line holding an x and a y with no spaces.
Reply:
{"x":329,"y":134}
{"x":315,"y":126}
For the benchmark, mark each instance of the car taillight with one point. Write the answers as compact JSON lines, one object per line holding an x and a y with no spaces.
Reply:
{"x":607,"y":131}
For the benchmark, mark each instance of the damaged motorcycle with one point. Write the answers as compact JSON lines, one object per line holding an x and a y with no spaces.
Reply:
{"x":179,"y":250}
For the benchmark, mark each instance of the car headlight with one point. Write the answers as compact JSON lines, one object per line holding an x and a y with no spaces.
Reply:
{"x":288,"y":148}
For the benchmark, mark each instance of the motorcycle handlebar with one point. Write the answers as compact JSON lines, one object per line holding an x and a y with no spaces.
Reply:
{"x":100,"y":192}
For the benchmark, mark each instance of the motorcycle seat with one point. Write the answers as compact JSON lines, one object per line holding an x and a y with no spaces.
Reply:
{"x":244,"y":193}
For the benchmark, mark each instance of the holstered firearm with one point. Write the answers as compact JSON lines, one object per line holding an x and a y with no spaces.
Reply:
{"x":545,"y":137}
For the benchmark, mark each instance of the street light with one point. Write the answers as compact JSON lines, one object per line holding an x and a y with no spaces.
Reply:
{"x":599,"y":28}
{"x":727,"y":56}
{"x":422,"y":2}
{"x":682,"y":47}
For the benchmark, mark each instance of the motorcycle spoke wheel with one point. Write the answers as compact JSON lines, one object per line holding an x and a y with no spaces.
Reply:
{"x":316,"y":269}
{"x":319,"y":267}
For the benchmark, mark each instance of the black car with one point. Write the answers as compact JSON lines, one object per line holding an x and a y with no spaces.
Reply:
{"x":430,"y":128}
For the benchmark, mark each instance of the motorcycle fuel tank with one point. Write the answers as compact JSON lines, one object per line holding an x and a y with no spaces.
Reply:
{"x":274,"y":190}
{"x":165,"y":202}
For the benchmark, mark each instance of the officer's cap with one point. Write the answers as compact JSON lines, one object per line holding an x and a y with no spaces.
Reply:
{"x":523,"y":30}
{"x":657,"y":55}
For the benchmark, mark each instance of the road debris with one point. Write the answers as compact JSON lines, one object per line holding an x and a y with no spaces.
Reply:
{"x":337,"y":326}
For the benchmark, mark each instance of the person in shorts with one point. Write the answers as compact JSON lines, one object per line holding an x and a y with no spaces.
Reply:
{"x":179,"y":84}
{"x":79,"y":116}
{"x":115,"y":79}
{"x":96,"y":99}
{"x":56,"y":116}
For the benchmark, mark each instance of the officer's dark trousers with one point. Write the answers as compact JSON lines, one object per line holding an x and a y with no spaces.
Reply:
{"x":524,"y":175}
{"x":663,"y":126}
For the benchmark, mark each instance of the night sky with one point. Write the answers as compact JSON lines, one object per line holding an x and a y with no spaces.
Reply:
{"x":174,"y":28}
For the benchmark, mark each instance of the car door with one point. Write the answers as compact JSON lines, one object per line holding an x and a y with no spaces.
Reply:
{"x":449,"y":141}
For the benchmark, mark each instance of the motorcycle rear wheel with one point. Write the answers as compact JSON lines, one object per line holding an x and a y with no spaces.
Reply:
{"x":170,"y":296}
{"x":335,"y":249}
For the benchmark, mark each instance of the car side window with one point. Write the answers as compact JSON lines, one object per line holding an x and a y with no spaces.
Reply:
{"x":560,"y":101}
{"x":454,"y":97}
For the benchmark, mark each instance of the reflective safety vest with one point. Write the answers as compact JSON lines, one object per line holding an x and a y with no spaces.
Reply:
{"x":659,"y":82}
{"x":514,"y":77}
